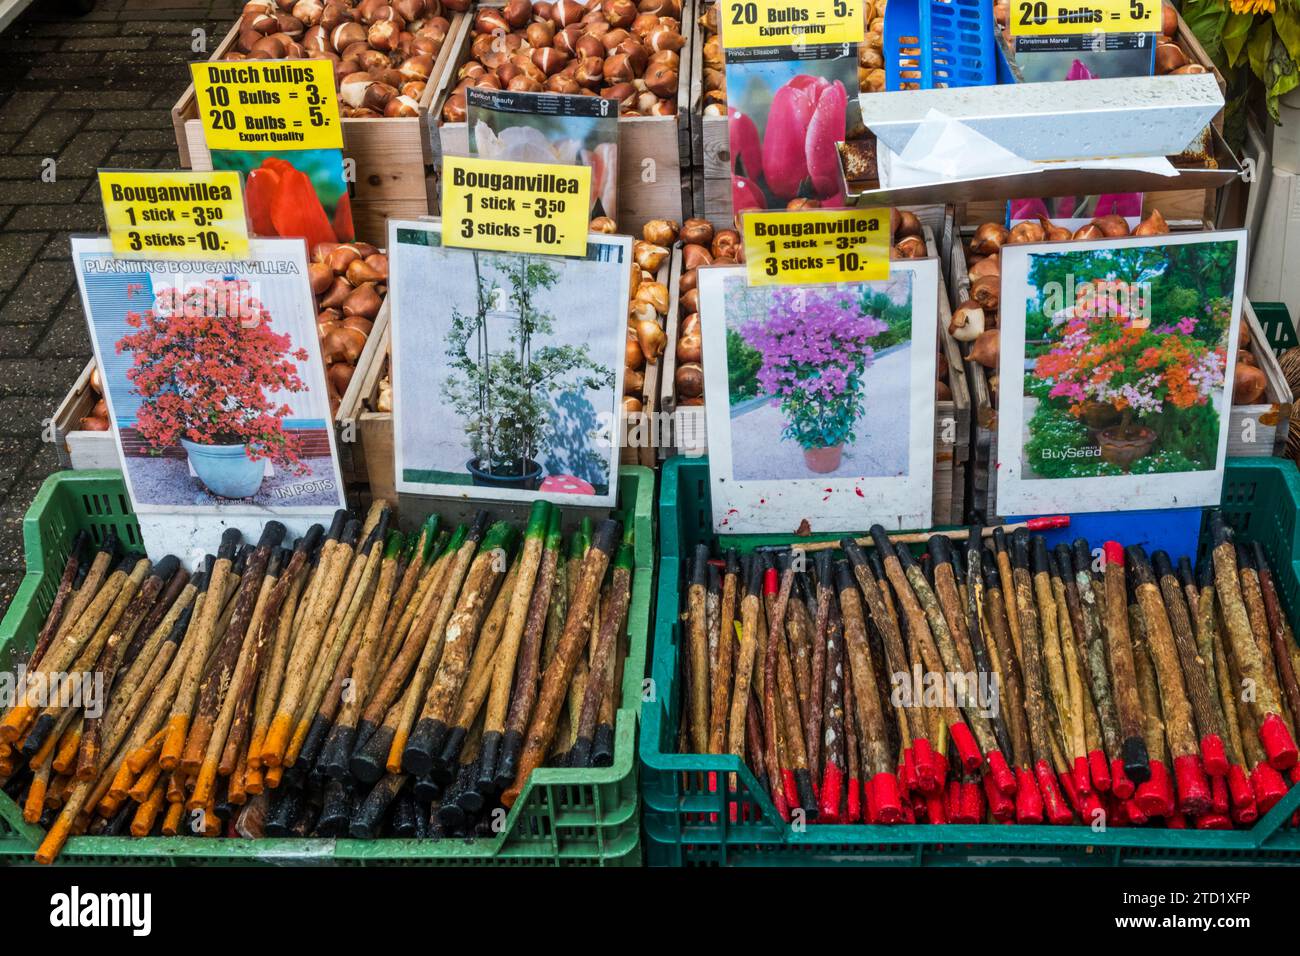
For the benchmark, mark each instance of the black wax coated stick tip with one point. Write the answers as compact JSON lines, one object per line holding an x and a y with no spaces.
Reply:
{"x":478,"y":528}
{"x":111,"y":543}
{"x":421,"y":819}
{"x":469,"y":799}
{"x":369,"y":814}
{"x":803,"y":785}
{"x":273,"y":533}
{"x":608,"y":534}
{"x":315,"y":740}
{"x":822,"y":564}
{"x":209,"y":564}
{"x":335,"y":811}
{"x":1137,"y":765}
{"x":1260,"y":558}
{"x":338,"y":747}
{"x":451,"y":747}
{"x":443,"y":774}
{"x":338,"y":523}
{"x":1244,"y":561}
{"x":295,"y":776}
{"x":165,"y":568}
{"x":715,"y":580}
{"x":1064,"y":560}
{"x":450,"y":816}
{"x":700,"y":566}
{"x":1139,"y":565}
{"x":877,"y":565}
{"x":974,"y":538}
{"x":906,"y":559}
{"x":286,"y":805}
{"x":127,"y":563}
{"x":489,"y":754}
{"x":1042,"y":561}
{"x":364,"y":730}
{"x":230,"y":539}
{"x":802,"y":585}
{"x":991,"y":579}
{"x":224,"y":809}
{"x":940,"y":549}
{"x":1082,"y":555}
{"x":310,"y":541}
{"x":37,"y":736}
{"x":999,"y":540}
{"x":602,"y":746}
{"x":404,"y":825}
{"x":844,"y":580}
{"x":580,"y":753}
{"x":118,"y":825}
{"x":425,"y":742}
{"x":512,"y":742}
{"x":766,"y":562}
{"x":1160,"y":562}
{"x":1186,"y":574}
{"x":182,"y":625}
{"x":351,"y":532}
{"x":1020,"y":549}
{"x":733,"y":561}
{"x":426,"y":790}
{"x":853,"y":551}
{"x":753,"y":575}
{"x":275,"y":563}
{"x":1219,"y":529}
{"x":241,"y":559}
{"x":883,"y":545}
{"x":959,"y":565}
{"x":369,"y":760}
{"x":784,"y":561}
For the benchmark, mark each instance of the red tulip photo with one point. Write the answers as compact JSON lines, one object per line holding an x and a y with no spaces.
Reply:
{"x":282,"y":201}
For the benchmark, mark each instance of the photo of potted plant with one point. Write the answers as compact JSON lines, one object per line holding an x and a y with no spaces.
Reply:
{"x":1129,"y":375}
{"x":504,"y":389}
{"x":203,"y":361}
{"x":815,"y":349}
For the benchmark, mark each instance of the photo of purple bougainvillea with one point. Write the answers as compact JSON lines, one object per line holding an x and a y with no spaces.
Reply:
{"x":819,"y":378}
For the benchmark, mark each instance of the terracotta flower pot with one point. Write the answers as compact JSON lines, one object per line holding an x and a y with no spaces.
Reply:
{"x":822,"y":461}
{"x":1098,"y":415}
{"x":1123,"y":445}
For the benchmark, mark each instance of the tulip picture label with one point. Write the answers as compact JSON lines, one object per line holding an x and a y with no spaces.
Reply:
{"x":175,"y":215}
{"x":268,"y":105}
{"x":816,"y":247}
{"x":750,"y":23}
{"x":502,"y":206}
{"x":1064,"y":17}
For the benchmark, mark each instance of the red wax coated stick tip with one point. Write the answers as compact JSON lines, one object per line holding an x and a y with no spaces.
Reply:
{"x":909,"y":816}
{"x":938,"y":767}
{"x":923,"y":760}
{"x":1082,"y":776}
{"x":1048,"y":522}
{"x":1001,"y":806}
{"x":1278,"y":745}
{"x":967,"y":750}
{"x":1070,"y":791}
{"x":934,"y":810}
{"x":1269,"y":787}
{"x":1193,"y":788}
{"x":1219,"y":802}
{"x":1091,"y":807}
{"x":1213,"y":756}
{"x":832,"y":790}
{"x":889,"y":806}
{"x":872,"y":814}
{"x":1136,"y":815}
{"x":972,"y":803}
{"x":1054,"y":806}
{"x":853,"y":813}
{"x":769,"y":581}
{"x":1295,"y":774}
{"x":1176,"y":821}
{"x":1099,"y":770}
{"x":1029,"y":802}
{"x":907,"y":773}
{"x":1213,"y":821}
{"x":1003,"y":779}
{"x":1239,"y":790}
{"x":791,"y":789}
{"x":952,"y":801}
{"x":1245,"y":815}
{"x":1155,"y":797}
{"x":713,"y":781}
{"x":1114,"y":552}
{"x":1120,"y":784}
{"x":731,"y":812}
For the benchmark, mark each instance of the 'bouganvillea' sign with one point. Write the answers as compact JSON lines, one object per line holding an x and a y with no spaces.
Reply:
{"x":204,"y":360}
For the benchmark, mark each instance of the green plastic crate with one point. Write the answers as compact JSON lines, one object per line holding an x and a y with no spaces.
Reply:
{"x":686,"y":824}
{"x":563,"y":817}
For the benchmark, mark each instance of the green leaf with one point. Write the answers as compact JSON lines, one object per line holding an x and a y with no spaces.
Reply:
{"x":1258,"y":48}
{"x":1235,"y":31}
{"x":1287,"y":25}
{"x":1205,"y":18}
{"x":1282,"y":79}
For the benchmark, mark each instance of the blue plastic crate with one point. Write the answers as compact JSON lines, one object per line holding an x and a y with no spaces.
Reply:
{"x":939,"y":43}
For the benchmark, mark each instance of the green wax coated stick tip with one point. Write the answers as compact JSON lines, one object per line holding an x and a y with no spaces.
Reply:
{"x":554,"y":530}
{"x":539,"y":519}
{"x":393,"y":546}
{"x":500,"y":535}
{"x":624,"y":558}
{"x":457,"y":539}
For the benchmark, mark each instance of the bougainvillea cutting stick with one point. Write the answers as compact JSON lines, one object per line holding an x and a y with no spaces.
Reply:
{"x":745,"y":658}
{"x":697,"y":694}
{"x":1273,"y":733}
{"x":1123,"y":675}
{"x":720,"y":691}
{"x":1282,"y":640}
{"x":1009,"y":672}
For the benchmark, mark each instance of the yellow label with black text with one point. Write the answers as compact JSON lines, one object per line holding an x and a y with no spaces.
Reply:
{"x":1067,"y":17}
{"x":515,"y":207}
{"x":268,"y":104}
{"x":175,"y":215}
{"x":786,"y":23}
{"x":816,"y":247}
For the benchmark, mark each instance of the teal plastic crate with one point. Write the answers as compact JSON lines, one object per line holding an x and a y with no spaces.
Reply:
{"x":563,"y":817}
{"x":687,"y":824}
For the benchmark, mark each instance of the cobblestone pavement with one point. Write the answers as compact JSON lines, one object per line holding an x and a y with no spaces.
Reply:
{"x":76,"y":93}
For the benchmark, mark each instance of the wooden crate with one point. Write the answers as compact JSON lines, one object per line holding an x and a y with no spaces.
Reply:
{"x":651,"y":433}
{"x":393,"y":156}
{"x":76,"y":449}
{"x":1253,"y":430}
{"x":362,"y":455}
{"x":952,"y":418}
{"x":654,"y":152}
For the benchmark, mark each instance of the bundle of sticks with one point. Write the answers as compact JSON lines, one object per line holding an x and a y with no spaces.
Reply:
{"x":361,"y":682}
{"x":990,"y":678}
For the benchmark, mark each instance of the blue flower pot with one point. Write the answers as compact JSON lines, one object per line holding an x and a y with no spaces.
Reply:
{"x":226,"y":470}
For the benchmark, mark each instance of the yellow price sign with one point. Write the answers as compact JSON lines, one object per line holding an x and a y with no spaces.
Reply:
{"x":515,"y":207}
{"x":816,"y":247}
{"x":748,"y":23}
{"x":268,"y":104}
{"x":1070,"y":17}
{"x":175,"y":215}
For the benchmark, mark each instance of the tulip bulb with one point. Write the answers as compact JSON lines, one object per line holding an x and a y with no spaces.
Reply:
{"x":967,"y":321}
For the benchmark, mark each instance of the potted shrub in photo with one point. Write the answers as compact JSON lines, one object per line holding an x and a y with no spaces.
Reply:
{"x":504,"y":389}
{"x":815,"y":349}
{"x":203,"y":362}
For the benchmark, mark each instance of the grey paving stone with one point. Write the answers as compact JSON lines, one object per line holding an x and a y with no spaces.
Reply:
{"x":17,"y":250}
{"x":76,"y":217}
{"x":22,"y":109}
{"x":41,"y":290}
{"x":39,"y":379}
